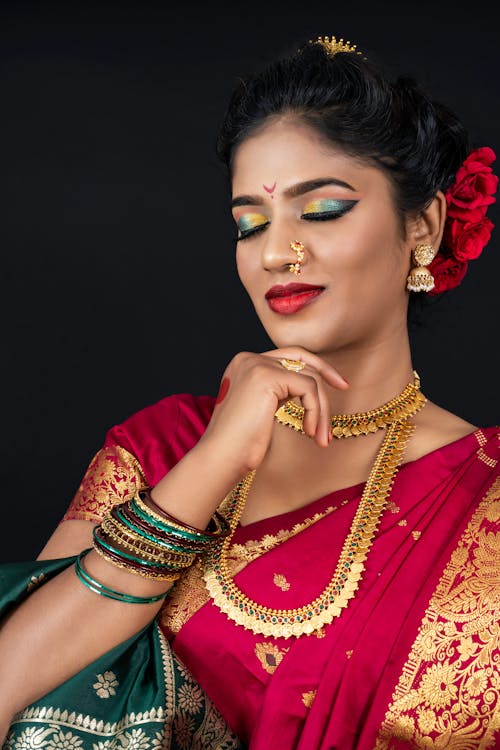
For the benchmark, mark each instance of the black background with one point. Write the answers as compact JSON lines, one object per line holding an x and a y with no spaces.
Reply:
{"x":119,"y":282}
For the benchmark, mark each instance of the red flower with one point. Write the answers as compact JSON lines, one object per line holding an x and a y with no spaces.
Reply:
{"x":466,"y":239}
{"x":447,"y":271}
{"x":474,"y":186}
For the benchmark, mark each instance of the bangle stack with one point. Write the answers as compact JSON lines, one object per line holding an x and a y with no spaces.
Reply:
{"x":141,"y":537}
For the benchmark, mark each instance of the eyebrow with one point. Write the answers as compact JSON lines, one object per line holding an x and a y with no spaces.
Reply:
{"x":292,"y":192}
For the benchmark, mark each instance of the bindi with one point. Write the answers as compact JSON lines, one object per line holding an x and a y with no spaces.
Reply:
{"x":224,"y":387}
{"x":270,"y":190}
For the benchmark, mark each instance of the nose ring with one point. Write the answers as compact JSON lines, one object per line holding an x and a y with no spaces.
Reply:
{"x":298,"y":248}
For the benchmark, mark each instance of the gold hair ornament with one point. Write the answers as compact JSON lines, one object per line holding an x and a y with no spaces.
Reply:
{"x":332,"y":46}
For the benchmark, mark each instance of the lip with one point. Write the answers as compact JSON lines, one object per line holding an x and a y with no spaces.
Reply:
{"x":287,"y":290}
{"x":291,"y":298}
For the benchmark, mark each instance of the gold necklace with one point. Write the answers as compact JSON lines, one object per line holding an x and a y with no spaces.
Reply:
{"x":351,"y":425}
{"x":285,"y":623}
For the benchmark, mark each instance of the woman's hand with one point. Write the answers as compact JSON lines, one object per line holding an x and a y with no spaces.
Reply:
{"x":253,"y":387}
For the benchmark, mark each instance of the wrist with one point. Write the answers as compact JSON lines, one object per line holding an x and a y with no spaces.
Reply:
{"x":194,"y":488}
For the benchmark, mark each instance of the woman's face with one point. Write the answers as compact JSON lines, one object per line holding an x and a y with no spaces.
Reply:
{"x":289,"y":185}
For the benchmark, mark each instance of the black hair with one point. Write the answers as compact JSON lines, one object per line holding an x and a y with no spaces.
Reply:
{"x":396,"y":126}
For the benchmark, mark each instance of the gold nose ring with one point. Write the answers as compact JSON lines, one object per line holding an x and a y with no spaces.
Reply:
{"x":298,"y":248}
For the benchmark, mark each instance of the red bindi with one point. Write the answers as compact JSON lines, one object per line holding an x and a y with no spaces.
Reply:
{"x":270,"y":189}
{"x":224,"y":387}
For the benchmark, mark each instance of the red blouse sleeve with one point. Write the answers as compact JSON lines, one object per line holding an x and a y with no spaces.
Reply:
{"x":138,"y":452}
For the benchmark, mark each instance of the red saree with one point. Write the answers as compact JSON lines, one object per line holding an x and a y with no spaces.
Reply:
{"x":411,"y":662}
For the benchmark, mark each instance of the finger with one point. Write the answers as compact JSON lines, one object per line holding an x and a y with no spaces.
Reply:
{"x":323,"y":433}
{"x":327,"y":371}
{"x":306,"y":388}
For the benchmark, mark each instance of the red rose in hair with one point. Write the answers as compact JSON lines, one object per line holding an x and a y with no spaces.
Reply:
{"x":447,"y":271}
{"x":466,"y":240}
{"x":475,"y":183}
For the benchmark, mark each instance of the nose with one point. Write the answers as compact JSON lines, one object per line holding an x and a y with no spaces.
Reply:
{"x":276,"y":254}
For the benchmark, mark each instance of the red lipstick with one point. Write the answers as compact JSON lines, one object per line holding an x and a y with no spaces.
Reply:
{"x":291,"y":297}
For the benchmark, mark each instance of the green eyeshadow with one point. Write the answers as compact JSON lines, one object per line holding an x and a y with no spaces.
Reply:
{"x":326,"y":205}
{"x":251,"y":221}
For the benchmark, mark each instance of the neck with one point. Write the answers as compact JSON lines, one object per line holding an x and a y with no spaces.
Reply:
{"x":376,"y":373}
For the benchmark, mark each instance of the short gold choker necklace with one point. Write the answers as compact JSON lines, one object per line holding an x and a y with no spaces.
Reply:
{"x":399,"y":408}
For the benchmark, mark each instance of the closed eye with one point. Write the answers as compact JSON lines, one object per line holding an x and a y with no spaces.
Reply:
{"x":250,"y":224}
{"x":326,"y":209}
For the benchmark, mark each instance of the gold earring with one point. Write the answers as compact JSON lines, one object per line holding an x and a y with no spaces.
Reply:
{"x":420,"y":278}
{"x":298,"y":248}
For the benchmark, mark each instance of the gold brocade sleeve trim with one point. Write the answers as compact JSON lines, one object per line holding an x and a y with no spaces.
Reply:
{"x":448,"y":695}
{"x":113,"y":475}
{"x":190,"y":593}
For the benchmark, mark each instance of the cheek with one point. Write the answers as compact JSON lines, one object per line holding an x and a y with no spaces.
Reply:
{"x":245,"y":266}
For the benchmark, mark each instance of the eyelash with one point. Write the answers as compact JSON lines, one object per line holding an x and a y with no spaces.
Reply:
{"x":323,"y":216}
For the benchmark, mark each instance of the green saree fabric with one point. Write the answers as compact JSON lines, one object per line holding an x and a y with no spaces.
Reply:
{"x":138,"y":696}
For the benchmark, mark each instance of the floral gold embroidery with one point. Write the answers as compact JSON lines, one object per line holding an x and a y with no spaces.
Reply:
{"x":392,"y":507}
{"x":270,"y":656}
{"x":113,"y":475}
{"x":254,"y":548}
{"x":416,"y":534}
{"x":448,"y":694}
{"x":281,"y":582}
{"x":403,"y":522}
{"x":307,"y":698}
{"x":349,"y":653}
{"x":105,"y":685}
{"x":187,"y":597}
{"x":190,"y":698}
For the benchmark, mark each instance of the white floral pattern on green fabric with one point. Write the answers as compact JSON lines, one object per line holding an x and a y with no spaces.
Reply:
{"x":136,"y":739}
{"x":31,"y":738}
{"x":106,"y":684}
{"x":64,"y":741}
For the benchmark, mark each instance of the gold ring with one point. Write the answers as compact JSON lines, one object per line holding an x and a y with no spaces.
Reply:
{"x":295,"y":365}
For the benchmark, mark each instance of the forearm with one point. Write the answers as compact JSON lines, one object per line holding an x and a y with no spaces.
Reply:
{"x":63,"y":626}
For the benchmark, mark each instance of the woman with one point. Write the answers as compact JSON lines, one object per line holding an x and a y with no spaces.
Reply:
{"x":345,"y":593}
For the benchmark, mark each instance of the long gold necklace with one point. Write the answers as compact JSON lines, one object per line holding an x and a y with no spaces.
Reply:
{"x":287,"y":623}
{"x":351,"y":425}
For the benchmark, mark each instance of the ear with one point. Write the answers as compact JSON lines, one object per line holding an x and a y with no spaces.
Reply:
{"x":428,"y":226}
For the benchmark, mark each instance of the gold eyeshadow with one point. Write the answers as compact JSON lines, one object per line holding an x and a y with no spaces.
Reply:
{"x":251,"y":221}
{"x":327,"y":205}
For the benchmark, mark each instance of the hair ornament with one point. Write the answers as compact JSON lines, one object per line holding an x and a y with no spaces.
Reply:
{"x":332,"y":46}
{"x":467,"y":229}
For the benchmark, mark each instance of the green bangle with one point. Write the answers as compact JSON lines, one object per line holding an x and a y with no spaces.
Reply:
{"x":147,"y":563}
{"x":144,"y":534}
{"x":102,"y":590}
{"x":152,"y":519}
{"x":194,"y":548}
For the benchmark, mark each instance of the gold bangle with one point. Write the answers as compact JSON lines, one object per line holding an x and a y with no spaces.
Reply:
{"x":143,"y":573}
{"x":130,"y":534}
{"x":146,"y":551}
